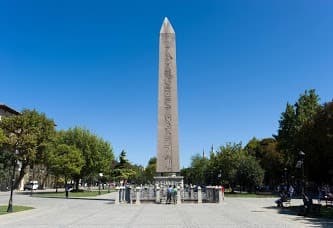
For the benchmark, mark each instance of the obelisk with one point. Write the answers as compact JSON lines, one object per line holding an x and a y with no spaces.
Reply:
{"x":167,"y":148}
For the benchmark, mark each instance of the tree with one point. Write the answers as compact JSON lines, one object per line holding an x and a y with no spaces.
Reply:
{"x":27,"y":136}
{"x":226,"y":162}
{"x":319,"y":145}
{"x":294,"y":131}
{"x":123,"y":170}
{"x":287,"y":134}
{"x":252,"y":147}
{"x":123,"y":161}
{"x":139,"y":176}
{"x":5,"y":162}
{"x":150,"y":170}
{"x":199,"y":165}
{"x":3,"y":138}
{"x":97,"y":154}
{"x":232,"y":165}
{"x":269,"y":157}
{"x":249,"y":173}
{"x":64,"y":161}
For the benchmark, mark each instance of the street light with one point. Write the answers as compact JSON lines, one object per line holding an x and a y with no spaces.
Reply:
{"x":302,"y":154}
{"x":99,"y":183}
{"x":220,"y":177}
{"x":285,"y":176}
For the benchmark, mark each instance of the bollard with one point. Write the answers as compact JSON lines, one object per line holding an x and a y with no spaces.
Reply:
{"x":192,"y":192}
{"x":199,"y":195}
{"x":219,"y":189}
{"x":138,"y":192}
{"x":179,"y":198}
{"x":158,"y":199}
{"x":122,"y":194}
{"x":116,"y":201}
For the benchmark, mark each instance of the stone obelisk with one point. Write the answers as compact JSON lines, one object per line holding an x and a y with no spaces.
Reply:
{"x":167,"y":148}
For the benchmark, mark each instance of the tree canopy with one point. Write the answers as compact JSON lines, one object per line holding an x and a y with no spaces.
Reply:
{"x":27,"y":137}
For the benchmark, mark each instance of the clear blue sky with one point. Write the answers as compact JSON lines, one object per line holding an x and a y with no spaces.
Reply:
{"x":95,"y":64}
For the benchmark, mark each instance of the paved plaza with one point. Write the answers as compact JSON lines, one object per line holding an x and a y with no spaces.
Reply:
{"x":102,"y":212}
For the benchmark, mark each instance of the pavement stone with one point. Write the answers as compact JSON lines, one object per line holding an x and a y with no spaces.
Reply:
{"x":101,"y":211}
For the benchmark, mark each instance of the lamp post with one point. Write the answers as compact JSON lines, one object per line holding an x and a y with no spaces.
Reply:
{"x":285,"y":175}
{"x":99,"y":183}
{"x":220,"y":177}
{"x":301,"y":155}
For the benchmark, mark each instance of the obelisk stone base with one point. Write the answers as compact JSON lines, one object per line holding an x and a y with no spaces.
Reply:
{"x":163,"y":182}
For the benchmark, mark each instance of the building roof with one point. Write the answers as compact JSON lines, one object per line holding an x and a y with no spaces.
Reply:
{"x":9,"y":109}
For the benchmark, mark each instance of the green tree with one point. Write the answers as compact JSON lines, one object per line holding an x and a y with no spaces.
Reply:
{"x":249,"y":173}
{"x":97,"y":153}
{"x":252,"y":147}
{"x":27,"y":134}
{"x":64,"y":161}
{"x":124,"y":171}
{"x":287,"y":134}
{"x":294,"y":130}
{"x":319,"y":145}
{"x":291,"y":138}
{"x":3,"y":138}
{"x":199,"y":167}
{"x":150,"y":170}
{"x":123,"y":161}
{"x":139,"y":177}
{"x":232,"y":165}
{"x":269,"y":158}
{"x":227,"y":159}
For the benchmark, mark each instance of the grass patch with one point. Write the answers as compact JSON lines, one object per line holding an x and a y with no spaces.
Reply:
{"x":16,"y":208}
{"x":70,"y":195}
{"x":249,"y":195}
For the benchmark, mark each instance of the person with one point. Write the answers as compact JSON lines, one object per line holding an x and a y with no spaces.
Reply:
{"x":291,"y":191}
{"x":174,"y":194}
{"x":169,"y":192}
{"x":67,"y":190}
{"x":283,"y":198}
{"x":307,"y":201}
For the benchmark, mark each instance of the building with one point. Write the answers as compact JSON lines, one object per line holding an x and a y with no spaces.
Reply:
{"x":7,"y":111}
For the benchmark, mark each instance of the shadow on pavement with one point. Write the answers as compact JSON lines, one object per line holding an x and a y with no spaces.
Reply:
{"x":315,"y":221}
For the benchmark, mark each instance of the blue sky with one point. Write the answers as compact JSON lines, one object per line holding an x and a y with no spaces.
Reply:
{"x":95,"y":64}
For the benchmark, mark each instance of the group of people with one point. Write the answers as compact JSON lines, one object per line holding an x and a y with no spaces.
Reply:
{"x":171,"y":194}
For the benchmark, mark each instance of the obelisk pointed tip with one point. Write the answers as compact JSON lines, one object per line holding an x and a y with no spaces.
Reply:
{"x":166,"y":26}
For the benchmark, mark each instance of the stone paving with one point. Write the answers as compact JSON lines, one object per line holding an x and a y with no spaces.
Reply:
{"x":101,"y":212}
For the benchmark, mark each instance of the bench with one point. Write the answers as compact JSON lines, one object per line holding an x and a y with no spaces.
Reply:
{"x":286,"y":202}
{"x":328,"y":200}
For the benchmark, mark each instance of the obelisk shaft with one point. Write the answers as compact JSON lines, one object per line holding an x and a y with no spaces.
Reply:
{"x":168,"y":148}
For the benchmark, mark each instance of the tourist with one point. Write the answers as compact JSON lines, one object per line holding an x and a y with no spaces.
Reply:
{"x":291,"y":191}
{"x":174,"y":194}
{"x":169,"y":192}
{"x":283,"y":198}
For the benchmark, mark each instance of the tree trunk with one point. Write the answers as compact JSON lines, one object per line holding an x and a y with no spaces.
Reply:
{"x":77,"y":180}
{"x":44,"y":180}
{"x":21,"y":175}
